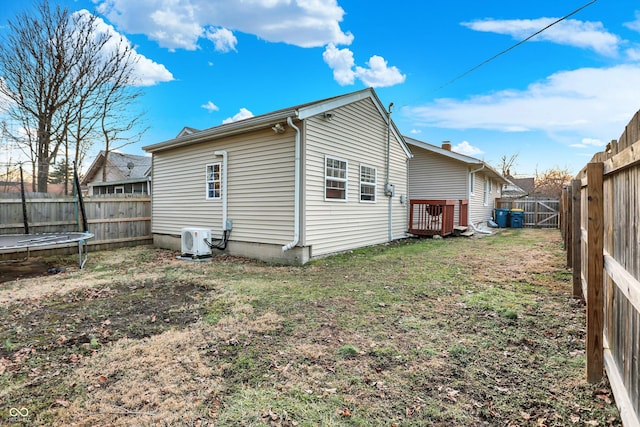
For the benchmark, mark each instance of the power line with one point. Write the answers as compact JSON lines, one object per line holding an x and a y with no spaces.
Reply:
{"x":515,"y":45}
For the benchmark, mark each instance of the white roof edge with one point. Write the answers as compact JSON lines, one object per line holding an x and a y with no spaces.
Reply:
{"x":329,"y":104}
{"x":453,"y":155}
{"x":300,"y":112}
{"x":340,"y":101}
{"x":442,"y":151}
{"x":228,"y":129}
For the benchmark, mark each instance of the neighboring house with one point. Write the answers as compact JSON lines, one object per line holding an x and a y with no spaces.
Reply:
{"x":470,"y":186}
{"x":519,"y":187}
{"x":287,"y":186}
{"x":126,"y":174}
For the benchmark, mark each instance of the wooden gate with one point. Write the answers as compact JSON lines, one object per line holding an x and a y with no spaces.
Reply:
{"x":538,"y":213}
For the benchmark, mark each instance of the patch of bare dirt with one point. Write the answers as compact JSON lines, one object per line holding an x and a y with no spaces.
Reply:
{"x":17,"y":270}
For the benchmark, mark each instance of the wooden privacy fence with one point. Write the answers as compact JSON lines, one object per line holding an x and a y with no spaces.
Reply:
{"x":538,"y":213}
{"x":602,"y":238}
{"x":115,"y":221}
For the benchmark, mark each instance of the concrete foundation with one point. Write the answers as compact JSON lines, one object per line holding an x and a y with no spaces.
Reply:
{"x":272,"y":253}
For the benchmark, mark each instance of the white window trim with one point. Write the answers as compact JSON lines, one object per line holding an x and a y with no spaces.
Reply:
{"x":345,"y":180}
{"x":374,"y":184}
{"x":472,"y":183}
{"x":206,"y":180}
{"x":487,"y":186}
{"x":118,"y":189}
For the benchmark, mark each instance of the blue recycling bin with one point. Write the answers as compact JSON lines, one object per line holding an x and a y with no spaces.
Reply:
{"x":500,"y":216}
{"x":516,"y":217}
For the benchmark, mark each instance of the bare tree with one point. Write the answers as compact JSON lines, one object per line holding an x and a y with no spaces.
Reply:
{"x":62,"y":75}
{"x":551,"y":182}
{"x":506,"y":163}
{"x":117,"y":98}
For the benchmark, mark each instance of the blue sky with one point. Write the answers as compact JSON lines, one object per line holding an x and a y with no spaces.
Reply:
{"x":554,"y":100}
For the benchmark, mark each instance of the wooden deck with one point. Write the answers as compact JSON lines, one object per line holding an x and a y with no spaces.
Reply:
{"x":435,"y":217}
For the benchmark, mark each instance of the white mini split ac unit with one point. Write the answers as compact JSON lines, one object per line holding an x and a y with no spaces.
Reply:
{"x":194,"y":242}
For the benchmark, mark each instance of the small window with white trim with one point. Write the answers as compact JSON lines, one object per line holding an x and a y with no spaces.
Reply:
{"x":368,"y":183}
{"x":214,"y":180}
{"x":486,"y":192}
{"x":472,"y":183}
{"x":335,"y":179}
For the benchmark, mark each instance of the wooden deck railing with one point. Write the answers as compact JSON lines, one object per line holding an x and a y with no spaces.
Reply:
{"x":432,"y":217}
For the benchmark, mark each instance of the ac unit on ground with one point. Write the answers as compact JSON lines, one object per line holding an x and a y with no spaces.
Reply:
{"x":194,"y":242}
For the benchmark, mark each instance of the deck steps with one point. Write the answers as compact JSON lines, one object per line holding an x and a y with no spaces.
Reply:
{"x":462,"y":230}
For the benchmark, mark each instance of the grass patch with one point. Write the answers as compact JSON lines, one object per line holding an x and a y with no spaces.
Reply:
{"x":348,"y":351}
{"x":420,"y":332}
{"x":506,"y":303}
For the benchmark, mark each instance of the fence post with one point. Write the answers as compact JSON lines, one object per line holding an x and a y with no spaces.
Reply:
{"x":576,"y":232}
{"x":595,"y":266}
{"x":567,"y":198}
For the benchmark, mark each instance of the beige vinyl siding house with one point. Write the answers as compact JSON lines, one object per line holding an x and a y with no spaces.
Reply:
{"x":260,"y":187}
{"x":482,"y":198}
{"x":353,"y":137}
{"x":332,"y":152}
{"x":437,"y":173}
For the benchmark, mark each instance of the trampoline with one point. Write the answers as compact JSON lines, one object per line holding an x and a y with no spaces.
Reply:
{"x":14,"y":242}
{"x":27,"y":241}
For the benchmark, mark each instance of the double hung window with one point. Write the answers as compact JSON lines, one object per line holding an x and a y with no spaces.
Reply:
{"x":367,"y":183}
{"x":214,"y":180}
{"x":335,"y":179}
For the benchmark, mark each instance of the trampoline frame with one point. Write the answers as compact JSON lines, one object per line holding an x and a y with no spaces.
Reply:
{"x":14,"y":242}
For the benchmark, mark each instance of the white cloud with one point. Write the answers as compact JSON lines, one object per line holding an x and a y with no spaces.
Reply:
{"x":223,"y":39}
{"x":633,"y":54}
{"x":570,"y":32}
{"x":415,"y":131}
{"x":146,"y":71}
{"x":173,"y":24}
{"x":467,"y":149}
{"x":377,"y":74}
{"x":179,"y":24}
{"x":341,"y":62}
{"x":241,"y":115}
{"x":589,"y":143}
{"x":587,"y":102}
{"x":151,"y":73}
{"x":210,"y":106}
{"x":634,"y":25}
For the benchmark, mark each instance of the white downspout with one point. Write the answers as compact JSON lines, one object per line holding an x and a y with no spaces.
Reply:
{"x":223,"y":153}
{"x":296,"y":196}
{"x":477,"y":170}
{"x":388,"y":189}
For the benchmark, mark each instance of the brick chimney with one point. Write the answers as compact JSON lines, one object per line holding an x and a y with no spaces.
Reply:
{"x":446,"y":145}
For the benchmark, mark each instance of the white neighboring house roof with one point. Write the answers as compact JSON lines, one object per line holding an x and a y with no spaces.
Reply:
{"x":126,"y":167}
{"x":471,"y":161}
{"x":190,"y":136}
